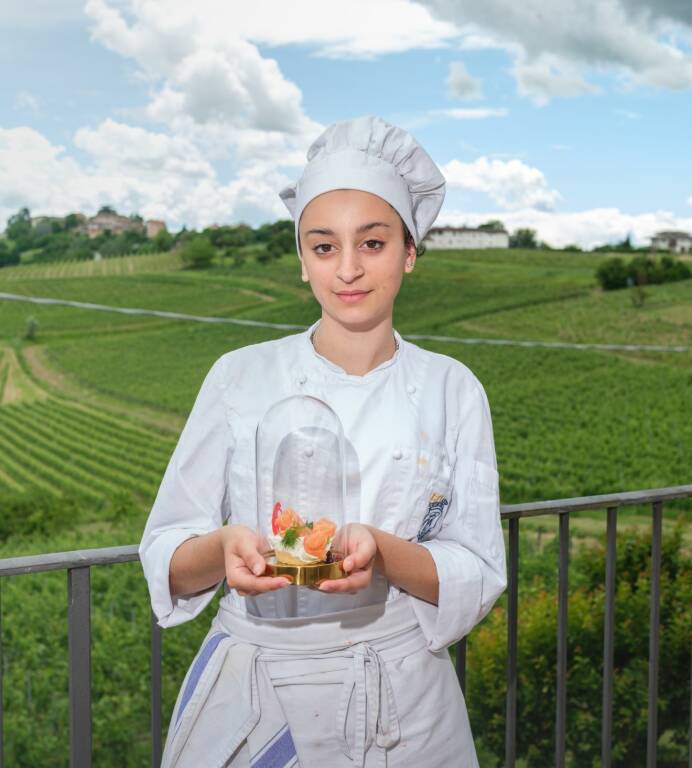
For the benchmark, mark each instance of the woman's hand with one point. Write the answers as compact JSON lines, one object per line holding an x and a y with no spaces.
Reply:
{"x":360,"y":550}
{"x":244,"y":562}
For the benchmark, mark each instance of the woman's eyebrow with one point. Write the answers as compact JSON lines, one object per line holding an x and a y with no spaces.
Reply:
{"x":361,"y":228}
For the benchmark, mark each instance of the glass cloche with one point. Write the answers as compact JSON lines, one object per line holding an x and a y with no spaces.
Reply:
{"x":301,"y":490}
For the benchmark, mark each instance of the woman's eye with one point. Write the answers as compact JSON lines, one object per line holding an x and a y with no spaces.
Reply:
{"x":374,"y":244}
{"x":322,"y":245}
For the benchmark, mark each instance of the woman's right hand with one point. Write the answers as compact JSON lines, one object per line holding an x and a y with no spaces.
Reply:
{"x":245,"y":564}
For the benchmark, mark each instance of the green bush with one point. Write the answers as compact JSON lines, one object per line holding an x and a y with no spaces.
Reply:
{"x":613,"y":273}
{"x":197,"y":253}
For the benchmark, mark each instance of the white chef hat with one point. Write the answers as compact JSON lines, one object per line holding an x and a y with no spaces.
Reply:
{"x":369,"y":154}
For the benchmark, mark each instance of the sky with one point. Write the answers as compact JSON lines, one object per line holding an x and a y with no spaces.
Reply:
{"x":571,"y":117}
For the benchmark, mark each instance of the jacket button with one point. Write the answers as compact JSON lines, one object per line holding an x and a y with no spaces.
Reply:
{"x":397,"y":454}
{"x":309,"y":451}
{"x":410,"y":389}
{"x":302,"y":378}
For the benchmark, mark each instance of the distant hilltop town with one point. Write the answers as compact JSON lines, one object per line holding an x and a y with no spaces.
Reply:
{"x":106,"y":220}
{"x":494,"y":235}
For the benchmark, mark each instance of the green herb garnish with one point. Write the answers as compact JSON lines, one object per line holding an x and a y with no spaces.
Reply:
{"x":290,"y":536}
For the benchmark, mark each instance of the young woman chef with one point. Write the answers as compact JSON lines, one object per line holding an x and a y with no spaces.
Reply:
{"x":355,"y":673}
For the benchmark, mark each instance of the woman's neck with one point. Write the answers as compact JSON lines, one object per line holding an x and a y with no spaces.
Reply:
{"x":357,"y":352}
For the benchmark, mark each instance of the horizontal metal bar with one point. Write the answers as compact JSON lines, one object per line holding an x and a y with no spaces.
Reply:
{"x":55,"y":561}
{"x":577,"y":503}
{"x":59,"y":561}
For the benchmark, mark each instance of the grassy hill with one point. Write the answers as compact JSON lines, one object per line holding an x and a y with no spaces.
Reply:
{"x":567,"y":422}
{"x":90,"y":409}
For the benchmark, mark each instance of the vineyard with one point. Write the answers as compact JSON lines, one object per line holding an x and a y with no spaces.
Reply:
{"x":91,"y":404}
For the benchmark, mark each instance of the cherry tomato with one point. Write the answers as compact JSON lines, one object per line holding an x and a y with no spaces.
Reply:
{"x":275,"y":513}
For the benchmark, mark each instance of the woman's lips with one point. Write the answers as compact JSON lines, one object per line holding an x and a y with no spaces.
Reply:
{"x":352,"y":298}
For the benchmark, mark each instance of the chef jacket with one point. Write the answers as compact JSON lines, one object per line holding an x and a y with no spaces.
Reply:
{"x":420,"y":461}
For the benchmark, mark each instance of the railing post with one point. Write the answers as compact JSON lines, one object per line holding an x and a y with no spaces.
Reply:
{"x":512,"y":624}
{"x":609,"y":637}
{"x":655,"y":614}
{"x":79,"y":641}
{"x":561,"y":692}
{"x":461,"y":664}
{"x":2,"y":700}
{"x":155,"y":692}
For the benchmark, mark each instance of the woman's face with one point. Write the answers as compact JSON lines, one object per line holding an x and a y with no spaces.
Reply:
{"x":354,"y":256}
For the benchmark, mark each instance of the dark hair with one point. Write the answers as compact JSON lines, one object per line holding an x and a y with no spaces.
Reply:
{"x":408,"y":240}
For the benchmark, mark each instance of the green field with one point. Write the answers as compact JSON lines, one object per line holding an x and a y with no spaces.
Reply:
{"x":90,"y":409}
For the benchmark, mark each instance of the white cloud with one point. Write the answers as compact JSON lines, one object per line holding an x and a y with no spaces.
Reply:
{"x":469,"y":113}
{"x":586,"y":228}
{"x":556,"y":46}
{"x":357,"y":29}
{"x":199,"y":68}
{"x":461,"y":83}
{"x":157,"y":175}
{"x":25,"y":101}
{"x":548,"y":76}
{"x":511,"y":184}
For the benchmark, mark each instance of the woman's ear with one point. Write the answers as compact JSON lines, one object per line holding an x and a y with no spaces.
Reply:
{"x":303,"y":271}
{"x":410,"y":257}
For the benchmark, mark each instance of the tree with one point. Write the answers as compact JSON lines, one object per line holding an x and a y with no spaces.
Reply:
{"x":19,"y":225}
{"x":106,"y":209}
{"x":7,"y":256}
{"x":197,"y":253}
{"x":494,"y":225}
{"x":71,"y":221}
{"x":523,"y":238}
{"x":163,"y":240}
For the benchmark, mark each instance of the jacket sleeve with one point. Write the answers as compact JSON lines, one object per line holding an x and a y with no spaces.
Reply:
{"x":192,"y":500}
{"x":468,"y":550}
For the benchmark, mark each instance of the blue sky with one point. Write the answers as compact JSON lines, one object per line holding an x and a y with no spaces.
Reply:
{"x":577,"y":125}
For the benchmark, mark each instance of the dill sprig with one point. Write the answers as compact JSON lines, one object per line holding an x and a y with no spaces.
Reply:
{"x":290,"y":536}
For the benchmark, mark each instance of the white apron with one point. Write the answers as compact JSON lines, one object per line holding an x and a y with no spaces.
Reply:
{"x":357,"y":689}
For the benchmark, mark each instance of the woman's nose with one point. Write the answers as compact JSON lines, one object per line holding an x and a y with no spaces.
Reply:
{"x":350,"y":266}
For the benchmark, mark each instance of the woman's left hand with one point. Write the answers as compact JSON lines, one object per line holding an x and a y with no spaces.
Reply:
{"x":360,"y":549}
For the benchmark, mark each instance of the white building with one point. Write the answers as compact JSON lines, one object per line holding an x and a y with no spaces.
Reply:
{"x":676,"y":242}
{"x":439,"y":238}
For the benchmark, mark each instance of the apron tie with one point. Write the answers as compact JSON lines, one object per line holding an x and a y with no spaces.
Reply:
{"x":367,"y":693}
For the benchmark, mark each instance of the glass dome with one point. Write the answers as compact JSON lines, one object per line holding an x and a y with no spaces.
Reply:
{"x":301,"y":489}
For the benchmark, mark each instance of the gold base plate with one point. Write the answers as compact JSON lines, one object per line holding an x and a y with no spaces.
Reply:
{"x":305,"y":575}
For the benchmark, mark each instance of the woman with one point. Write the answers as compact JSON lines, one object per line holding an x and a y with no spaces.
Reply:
{"x":356,"y":672}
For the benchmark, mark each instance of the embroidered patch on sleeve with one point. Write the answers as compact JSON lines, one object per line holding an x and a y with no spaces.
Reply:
{"x":432,"y":521}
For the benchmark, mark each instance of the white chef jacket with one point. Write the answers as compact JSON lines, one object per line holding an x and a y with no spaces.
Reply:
{"x":420,"y":465}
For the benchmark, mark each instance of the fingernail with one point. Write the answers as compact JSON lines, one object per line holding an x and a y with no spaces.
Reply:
{"x":258,"y":569}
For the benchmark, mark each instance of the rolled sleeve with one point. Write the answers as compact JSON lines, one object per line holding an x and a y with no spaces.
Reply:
{"x":468,"y":551}
{"x":192,"y":500}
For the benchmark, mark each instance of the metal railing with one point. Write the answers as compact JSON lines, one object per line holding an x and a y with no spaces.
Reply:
{"x":78,"y":565}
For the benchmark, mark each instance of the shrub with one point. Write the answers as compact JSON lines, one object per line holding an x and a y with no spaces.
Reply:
{"x":537,"y":660}
{"x":197,"y":253}
{"x":612,"y":274}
